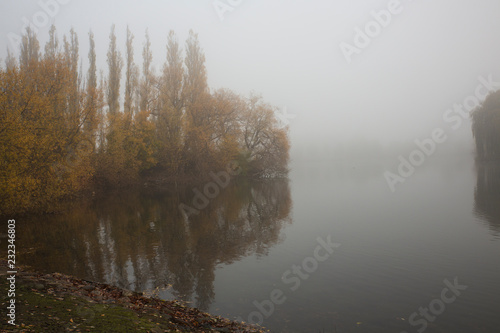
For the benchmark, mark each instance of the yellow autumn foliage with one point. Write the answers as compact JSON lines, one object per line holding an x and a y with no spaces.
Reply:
{"x":43,"y":150}
{"x":59,"y":137}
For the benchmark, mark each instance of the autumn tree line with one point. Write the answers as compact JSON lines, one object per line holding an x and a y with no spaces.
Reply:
{"x":63,"y":131}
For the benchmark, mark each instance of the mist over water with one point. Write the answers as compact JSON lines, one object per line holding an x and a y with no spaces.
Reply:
{"x":410,"y":209}
{"x":394,"y":249}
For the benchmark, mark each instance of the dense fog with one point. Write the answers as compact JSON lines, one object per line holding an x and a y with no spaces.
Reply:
{"x":363,"y":76}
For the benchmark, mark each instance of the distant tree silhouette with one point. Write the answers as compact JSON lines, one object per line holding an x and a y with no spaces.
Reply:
{"x":486,"y":128}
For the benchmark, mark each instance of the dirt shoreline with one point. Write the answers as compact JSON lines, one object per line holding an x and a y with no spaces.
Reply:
{"x":61,"y":303}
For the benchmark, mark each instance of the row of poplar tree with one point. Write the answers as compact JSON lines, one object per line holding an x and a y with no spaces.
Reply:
{"x":62,"y":130}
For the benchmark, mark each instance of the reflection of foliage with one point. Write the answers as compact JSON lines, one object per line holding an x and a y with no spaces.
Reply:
{"x":487,"y":194}
{"x":148,"y":243}
{"x":486,"y":127}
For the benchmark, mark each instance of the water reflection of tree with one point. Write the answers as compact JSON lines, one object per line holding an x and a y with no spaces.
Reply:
{"x":140,"y":241}
{"x":487,"y":194}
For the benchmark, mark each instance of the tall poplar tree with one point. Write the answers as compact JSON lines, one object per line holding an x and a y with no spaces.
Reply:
{"x":71,"y":55}
{"x":130,"y":75}
{"x":52,"y":46}
{"x":195,"y":80}
{"x":171,"y":104}
{"x":115,"y":64}
{"x":147,"y":76}
{"x":30,"y":49}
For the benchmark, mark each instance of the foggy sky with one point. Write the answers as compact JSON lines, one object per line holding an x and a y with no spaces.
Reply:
{"x":396,"y":90}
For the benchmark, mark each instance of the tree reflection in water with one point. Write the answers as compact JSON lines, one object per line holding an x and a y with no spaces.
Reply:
{"x":487,"y":195}
{"x":141,"y":241}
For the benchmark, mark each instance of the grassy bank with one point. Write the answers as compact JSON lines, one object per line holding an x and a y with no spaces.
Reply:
{"x":61,"y":303}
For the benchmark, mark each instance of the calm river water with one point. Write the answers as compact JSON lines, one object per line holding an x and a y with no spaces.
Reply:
{"x":424,"y":258}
